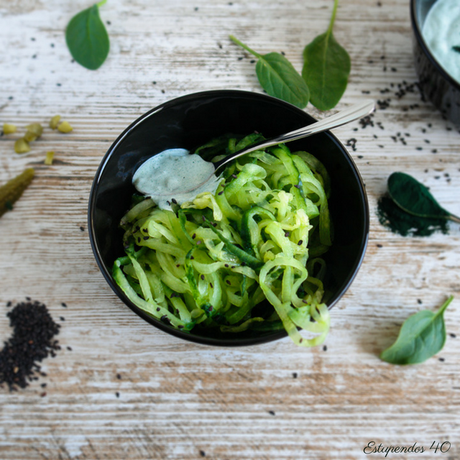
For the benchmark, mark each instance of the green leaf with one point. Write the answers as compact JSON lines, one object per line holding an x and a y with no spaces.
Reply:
{"x":413,"y":197}
{"x":326,"y":68}
{"x":87,"y":38}
{"x":278,"y":77}
{"x":421,"y":336}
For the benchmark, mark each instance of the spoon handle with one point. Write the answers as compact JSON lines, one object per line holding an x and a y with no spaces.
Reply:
{"x":454,"y":218}
{"x":353,"y":113}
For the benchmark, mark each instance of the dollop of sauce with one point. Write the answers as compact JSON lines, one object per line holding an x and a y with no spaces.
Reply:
{"x":170,"y":174}
{"x":441,"y":32}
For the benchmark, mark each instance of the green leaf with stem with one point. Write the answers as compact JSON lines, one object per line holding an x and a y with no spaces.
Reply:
{"x":278,"y":77}
{"x":421,"y":336}
{"x":87,"y":38}
{"x":326,"y":68}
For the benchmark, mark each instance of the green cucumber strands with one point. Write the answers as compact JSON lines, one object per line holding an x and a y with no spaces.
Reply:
{"x":87,"y":38}
{"x":208,"y":263}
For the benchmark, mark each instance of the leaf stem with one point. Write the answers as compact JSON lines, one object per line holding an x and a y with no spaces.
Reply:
{"x":334,"y":12}
{"x":444,"y":306}
{"x":102,"y":2}
{"x":249,"y":50}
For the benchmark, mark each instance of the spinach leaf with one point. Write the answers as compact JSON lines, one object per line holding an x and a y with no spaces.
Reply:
{"x":87,"y":38}
{"x":326,"y":68}
{"x":278,"y":77}
{"x":421,"y":336}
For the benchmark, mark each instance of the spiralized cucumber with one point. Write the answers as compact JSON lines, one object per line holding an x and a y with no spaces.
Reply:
{"x":210,"y":262}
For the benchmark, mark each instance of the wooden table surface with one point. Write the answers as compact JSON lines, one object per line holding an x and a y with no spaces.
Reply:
{"x":121,"y":389}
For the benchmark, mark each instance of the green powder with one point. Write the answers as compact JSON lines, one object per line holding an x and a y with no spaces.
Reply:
{"x":398,"y":221}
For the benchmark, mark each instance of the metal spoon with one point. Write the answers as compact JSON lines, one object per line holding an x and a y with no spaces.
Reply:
{"x":346,"y":116}
{"x":334,"y":121}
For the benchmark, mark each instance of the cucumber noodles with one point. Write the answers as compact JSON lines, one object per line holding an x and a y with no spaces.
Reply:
{"x":210,"y":262}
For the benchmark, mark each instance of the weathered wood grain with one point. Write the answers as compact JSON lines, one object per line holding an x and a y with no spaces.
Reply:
{"x":120,"y":389}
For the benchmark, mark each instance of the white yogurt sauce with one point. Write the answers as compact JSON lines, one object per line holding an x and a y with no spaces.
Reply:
{"x":165,"y":176}
{"x":441,"y":31}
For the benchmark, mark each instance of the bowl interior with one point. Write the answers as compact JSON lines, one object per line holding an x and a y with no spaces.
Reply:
{"x":191,"y":121}
{"x":421,"y":8}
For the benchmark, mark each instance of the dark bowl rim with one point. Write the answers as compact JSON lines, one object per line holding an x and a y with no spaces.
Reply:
{"x":420,"y":40}
{"x":164,"y":327}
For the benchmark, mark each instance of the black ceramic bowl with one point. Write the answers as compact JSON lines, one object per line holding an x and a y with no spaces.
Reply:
{"x":191,"y":121}
{"x":436,"y":84}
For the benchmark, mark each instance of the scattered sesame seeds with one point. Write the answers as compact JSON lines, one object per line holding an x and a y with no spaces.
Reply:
{"x":351,"y":143}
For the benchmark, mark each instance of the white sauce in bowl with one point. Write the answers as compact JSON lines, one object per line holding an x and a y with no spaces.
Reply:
{"x":167,"y":175}
{"x":441,"y":32}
